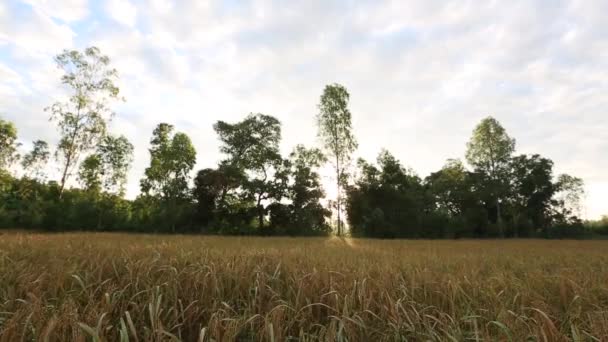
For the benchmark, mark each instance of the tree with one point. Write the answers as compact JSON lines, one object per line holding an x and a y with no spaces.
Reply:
{"x":532,"y":189}
{"x":166,"y":181}
{"x":82,"y":120}
{"x":106,"y":169}
{"x":116,"y":154}
{"x":252,"y":145}
{"x":8,"y":144}
{"x":305,"y":215}
{"x":172,"y":157}
{"x":387,"y":200}
{"x":34,"y":162}
{"x":570,"y":193}
{"x":90,"y":173}
{"x":489,"y":150}
{"x":335,"y":130}
{"x":449,"y":188}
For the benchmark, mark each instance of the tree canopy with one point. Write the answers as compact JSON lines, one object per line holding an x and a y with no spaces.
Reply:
{"x":255,"y":189}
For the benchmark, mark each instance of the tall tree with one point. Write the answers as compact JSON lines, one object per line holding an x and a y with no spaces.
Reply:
{"x":8,"y":144}
{"x":489,"y":150}
{"x":387,"y":199}
{"x":172,"y":157}
{"x":253,"y":146}
{"x":34,"y":161}
{"x":116,"y":154}
{"x":532,"y":189}
{"x":90,"y":173}
{"x":82,"y":120}
{"x":107,"y":168}
{"x":335,"y":130}
{"x":221,"y":205}
{"x":450,"y":188}
{"x":570,"y":193}
{"x":307,"y":215}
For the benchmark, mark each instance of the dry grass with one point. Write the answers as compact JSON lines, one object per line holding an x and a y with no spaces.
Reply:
{"x":120,"y":287}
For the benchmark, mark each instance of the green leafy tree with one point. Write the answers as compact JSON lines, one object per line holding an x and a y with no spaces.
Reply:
{"x":532,"y":190}
{"x":116,"y":154}
{"x":489,"y":150}
{"x":106,"y":169}
{"x":222,"y":206}
{"x":570,"y":192}
{"x":33,"y":162}
{"x":8,"y":144}
{"x":387,"y":200}
{"x":90,"y":173}
{"x":82,"y":120}
{"x":304,"y":215}
{"x":172,"y":158}
{"x":335,"y":130}
{"x":449,"y":187}
{"x":252,"y":145}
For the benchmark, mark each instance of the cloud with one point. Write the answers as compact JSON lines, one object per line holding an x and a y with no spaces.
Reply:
{"x":122,"y":11}
{"x":66,"y":10}
{"x":421,"y":73}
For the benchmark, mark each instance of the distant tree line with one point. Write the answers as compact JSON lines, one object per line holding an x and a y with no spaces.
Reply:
{"x":256,"y":190}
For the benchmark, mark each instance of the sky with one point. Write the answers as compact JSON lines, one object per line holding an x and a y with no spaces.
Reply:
{"x":421,"y":73}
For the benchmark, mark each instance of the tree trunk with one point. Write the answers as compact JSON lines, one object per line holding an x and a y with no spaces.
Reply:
{"x":338,"y":199}
{"x":498,"y":219}
{"x":260,"y":214}
{"x":63,"y":178}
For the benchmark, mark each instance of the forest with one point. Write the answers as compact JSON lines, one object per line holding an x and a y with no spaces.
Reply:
{"x":254,"y":190}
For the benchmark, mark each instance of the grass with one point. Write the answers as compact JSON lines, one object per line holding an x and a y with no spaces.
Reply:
{"x":121,"y":287}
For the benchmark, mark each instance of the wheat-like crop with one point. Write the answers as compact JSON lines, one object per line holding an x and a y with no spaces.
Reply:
{"x":121,"y":287}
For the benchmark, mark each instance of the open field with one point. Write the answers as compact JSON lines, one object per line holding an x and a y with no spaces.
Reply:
{"x":110,"y":287}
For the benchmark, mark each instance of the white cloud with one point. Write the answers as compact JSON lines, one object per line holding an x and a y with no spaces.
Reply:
{"x":421,"y":73}
{"x":122,"y":11}
{"x":66,"y":10}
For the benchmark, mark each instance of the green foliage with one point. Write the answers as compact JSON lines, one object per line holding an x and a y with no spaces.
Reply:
{"x":335,"y":130}
{"x":532,"y":190}
{"x":490,"y":148}
{"x":82,"y":120}
{"x":33,"y":163}
{"x":8,"y":144}
{"x":172,"y":157}
{"x":489,"y":151}
{"x":255,"y":190}
{"x":252,"y":146}
{"x":304,"y":215}
{"x":387,"y":200}
{"x":166,"y":182}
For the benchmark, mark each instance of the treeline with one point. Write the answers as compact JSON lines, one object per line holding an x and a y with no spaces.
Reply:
{"x":256,"y":190}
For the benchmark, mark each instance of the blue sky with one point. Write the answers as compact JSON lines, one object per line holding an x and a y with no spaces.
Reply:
{"x":421,"y":73}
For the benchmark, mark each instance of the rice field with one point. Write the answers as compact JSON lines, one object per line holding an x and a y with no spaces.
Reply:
{"x":124,"y":287}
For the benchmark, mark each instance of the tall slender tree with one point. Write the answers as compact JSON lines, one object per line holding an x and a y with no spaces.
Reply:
{"x":489,"y":150}
{"x":82,"y":120}
{"x":335,"y":130}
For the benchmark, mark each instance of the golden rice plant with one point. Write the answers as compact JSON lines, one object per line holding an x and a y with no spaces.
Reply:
{"x":121,"y":287}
